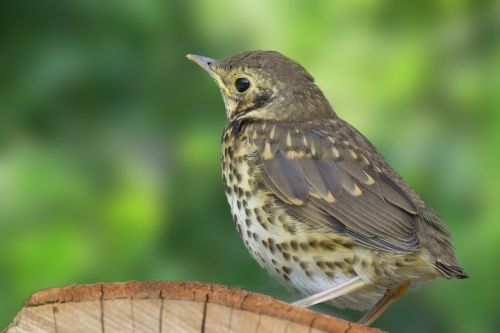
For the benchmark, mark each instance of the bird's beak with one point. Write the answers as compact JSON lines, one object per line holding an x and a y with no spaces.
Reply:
{"x":206,"y":64}
{"x":203,"y":62}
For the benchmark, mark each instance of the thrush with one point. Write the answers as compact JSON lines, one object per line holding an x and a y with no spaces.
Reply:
{"x":313,"y":200}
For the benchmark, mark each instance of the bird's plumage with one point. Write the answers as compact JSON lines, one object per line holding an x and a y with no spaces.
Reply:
{"x":325,"y":179}
{"x":312,"y":198}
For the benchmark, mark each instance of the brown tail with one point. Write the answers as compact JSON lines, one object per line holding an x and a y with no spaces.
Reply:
{"x":451,"y":271}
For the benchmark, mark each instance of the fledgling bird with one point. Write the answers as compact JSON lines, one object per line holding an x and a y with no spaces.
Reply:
{"x":313,"y":200}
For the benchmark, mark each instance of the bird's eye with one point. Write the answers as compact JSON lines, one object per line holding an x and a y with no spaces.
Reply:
{"x":241,"y":84}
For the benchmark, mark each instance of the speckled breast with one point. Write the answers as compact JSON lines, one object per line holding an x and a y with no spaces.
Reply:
{"x":307,"y":260}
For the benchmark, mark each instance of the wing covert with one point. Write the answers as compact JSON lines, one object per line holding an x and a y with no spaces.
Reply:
{"x":325,"y":179}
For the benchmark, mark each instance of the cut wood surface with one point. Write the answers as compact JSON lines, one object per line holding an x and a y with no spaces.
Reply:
{"x":180,"y":307}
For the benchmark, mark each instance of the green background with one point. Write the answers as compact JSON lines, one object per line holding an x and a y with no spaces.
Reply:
{"x":109,"y":137}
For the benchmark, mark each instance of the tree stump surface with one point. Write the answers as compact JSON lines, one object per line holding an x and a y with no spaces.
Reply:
{"x":177,"y":307}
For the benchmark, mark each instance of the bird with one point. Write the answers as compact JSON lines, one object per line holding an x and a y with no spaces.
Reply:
{"x":313,"y":200}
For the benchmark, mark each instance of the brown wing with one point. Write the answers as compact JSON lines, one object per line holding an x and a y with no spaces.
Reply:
{"x":323,"y":177}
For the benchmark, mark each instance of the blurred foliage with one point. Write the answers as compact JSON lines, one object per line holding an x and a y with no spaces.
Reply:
{"x":109,"y":138}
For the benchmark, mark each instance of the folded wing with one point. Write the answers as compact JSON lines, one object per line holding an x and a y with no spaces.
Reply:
{"x":324,"y":179}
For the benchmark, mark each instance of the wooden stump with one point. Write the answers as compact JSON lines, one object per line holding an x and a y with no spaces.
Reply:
{"x":177,"y":307}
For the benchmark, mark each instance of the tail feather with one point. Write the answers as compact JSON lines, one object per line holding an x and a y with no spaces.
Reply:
{"x":451,"y":271}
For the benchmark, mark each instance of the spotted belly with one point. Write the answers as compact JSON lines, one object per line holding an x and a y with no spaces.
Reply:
{"x":289,"y":250}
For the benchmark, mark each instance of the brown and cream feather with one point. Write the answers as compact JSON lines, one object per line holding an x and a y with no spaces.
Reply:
{"x":314,"y":201}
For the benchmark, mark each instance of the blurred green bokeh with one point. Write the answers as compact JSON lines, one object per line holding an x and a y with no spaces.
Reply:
{"x":109,"y":138}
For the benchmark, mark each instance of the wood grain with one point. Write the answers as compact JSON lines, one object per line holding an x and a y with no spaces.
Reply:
{"x":168,"y":307}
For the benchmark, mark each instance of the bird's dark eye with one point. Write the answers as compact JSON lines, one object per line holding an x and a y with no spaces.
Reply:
{"x":241,"y":84}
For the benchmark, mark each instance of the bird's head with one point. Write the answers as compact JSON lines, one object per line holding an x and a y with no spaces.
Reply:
{"x":266,"y":85}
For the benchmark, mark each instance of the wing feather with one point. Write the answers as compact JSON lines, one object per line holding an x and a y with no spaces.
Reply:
{"x":287,"y":179}
{"x":328,"y":185}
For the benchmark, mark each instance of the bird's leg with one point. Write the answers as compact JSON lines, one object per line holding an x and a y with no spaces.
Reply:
{"x":342,"y":289}
{"x":390,"y":297}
